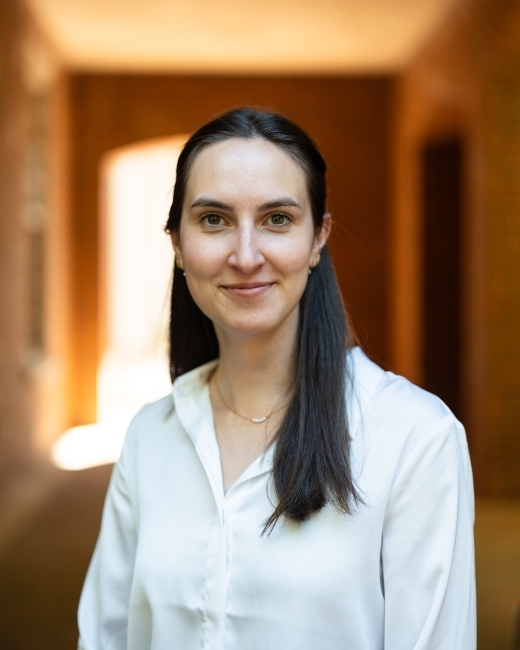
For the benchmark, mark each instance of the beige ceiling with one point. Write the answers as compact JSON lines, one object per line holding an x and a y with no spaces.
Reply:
{"x":240,"y":35}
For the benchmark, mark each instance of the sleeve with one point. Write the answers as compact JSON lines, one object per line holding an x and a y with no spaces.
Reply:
{"x":427,"y":547}
{"x":103,"y":607}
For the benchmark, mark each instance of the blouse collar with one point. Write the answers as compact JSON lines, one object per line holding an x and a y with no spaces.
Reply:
{"x":193,"y":407}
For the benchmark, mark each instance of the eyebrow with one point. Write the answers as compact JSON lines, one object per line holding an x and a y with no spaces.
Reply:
{"x":210,"y":203}
{"x":282,"y":202}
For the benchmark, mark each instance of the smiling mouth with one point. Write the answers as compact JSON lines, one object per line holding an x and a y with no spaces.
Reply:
{"x":247,"y":289}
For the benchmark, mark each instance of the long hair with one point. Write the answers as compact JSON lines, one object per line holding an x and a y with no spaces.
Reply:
{"x":311,"y":465}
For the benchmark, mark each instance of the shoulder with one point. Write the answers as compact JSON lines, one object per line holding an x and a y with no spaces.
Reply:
{"x":388,"y":396}
{"x":154,"y":413}
{"x":403,"y":429}
{"x":150,"y":424}
{"x":399,"y":420}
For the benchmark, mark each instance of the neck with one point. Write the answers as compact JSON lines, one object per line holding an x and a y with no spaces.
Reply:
{"x":256,"y":372}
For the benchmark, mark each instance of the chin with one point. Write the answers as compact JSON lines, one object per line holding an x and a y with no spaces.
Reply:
{"x":251,"y":324}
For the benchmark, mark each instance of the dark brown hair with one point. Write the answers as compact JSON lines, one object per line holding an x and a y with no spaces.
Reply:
{"x":312,"y":455}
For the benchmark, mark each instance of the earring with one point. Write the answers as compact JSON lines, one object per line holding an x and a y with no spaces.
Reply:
{"x":315,"y":263}
{"x":180,"y":266}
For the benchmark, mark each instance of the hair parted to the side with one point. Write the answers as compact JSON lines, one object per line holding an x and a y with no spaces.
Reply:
{"x":311,"y":464}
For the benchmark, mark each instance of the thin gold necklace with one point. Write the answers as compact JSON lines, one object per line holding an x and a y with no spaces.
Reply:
{"x":254,"y":420}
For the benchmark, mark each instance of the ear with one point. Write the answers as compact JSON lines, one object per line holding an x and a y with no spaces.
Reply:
{"x":176,"y":241}
{"x":320,"y":238}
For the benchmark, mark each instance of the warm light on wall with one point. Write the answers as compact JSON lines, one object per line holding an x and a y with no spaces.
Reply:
{"x":136,"y":269}
{"x":230,"y":36}
{"x":89,"y":445}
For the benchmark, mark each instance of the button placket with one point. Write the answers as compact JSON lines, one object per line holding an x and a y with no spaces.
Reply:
{"x":231,"y":503}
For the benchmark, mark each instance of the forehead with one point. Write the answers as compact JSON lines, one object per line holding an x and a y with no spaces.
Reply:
{"x":253,"y":166}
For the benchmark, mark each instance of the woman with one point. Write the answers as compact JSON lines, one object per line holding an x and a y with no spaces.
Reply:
{"x":289,"y":494}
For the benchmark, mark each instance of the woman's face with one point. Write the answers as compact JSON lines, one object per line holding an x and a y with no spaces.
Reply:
{"x":247,"y":238}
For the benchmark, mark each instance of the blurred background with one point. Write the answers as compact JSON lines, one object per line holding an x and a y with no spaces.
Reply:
{"x":416,"y":107}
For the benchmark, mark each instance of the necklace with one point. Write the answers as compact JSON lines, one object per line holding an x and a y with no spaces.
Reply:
{"x":264,"y":418}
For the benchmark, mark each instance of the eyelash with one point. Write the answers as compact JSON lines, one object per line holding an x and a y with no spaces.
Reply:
{"x":206,"y":216}
{"x":280,"y":214}
{"x":276,"y":214}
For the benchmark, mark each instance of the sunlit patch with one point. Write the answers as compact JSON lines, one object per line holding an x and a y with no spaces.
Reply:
{"x":136,"y":269}
{"x":90,"y":445}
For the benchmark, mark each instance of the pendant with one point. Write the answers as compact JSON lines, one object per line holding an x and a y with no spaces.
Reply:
{"x":259,"y":420}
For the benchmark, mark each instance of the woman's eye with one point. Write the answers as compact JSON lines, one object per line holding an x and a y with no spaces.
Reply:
{"x":278,"y":220}
{"x":213,"y":220}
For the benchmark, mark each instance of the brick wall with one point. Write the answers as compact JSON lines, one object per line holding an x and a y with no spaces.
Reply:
{"x":502,"y":291}
{"x":33,"y":245}
{"x":15,"y":394}
{"x":466,"y":83}
{"x":347,"y":116}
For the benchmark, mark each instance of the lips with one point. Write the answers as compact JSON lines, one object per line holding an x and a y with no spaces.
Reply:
{"x":247,"y":289}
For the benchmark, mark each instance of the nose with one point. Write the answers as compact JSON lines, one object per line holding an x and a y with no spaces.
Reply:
{"x":246,"y":256}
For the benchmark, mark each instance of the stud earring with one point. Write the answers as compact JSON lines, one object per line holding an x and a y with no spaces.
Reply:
{"x":180,"y":266}
{"x":315,"y":263}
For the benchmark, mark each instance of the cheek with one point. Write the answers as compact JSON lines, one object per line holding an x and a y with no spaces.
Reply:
{"x":290,"y":256}
{"x":204,"y":256}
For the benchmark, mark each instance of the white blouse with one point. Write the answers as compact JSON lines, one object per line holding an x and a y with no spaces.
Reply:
{"x":179,"y":565}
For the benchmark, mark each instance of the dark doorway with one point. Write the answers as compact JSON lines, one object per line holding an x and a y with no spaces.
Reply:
{"x":442,"y":199}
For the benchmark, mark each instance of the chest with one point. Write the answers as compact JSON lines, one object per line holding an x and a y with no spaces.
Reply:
{"x":240,"y":443}
{"x":204,"y":569}
{"x":208,"y":550}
